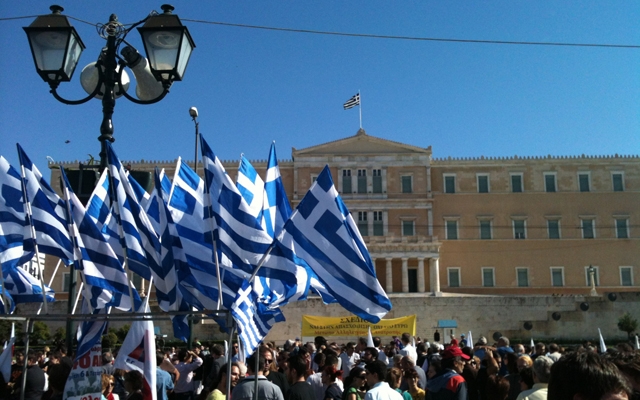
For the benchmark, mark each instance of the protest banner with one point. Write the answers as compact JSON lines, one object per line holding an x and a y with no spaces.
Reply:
{"x":354,"y":326}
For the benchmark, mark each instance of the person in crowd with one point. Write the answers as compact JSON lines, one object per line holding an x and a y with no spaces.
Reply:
{"x":513,"y":377}
{"x":315,"y":380}
{"x":524,"y":361}
{"x":541,"y":373}
{"x":353,"y":384}
{"x":329,"y":377}
{"x":164,"y":381}
{"x":119,"y":388}
{"x":423,"y":352}
{"x":350,"y":358}
{"x":554,"y":352}
{"x":108,"y":382}
{"x":518,"y":349}
{"x":394,"y":379}
{"x":497,"y":387}
{"x":271,"y":372}
{"x":628,"y":362}
{"x":188,"y":361}
{"x":382,"y":355}
{"x":379,"y":389}
{"x":433,"y":353}
{"x":540,"y":349}
{"x":480,"y":348}
{"x":295,"y":369}
{"x":244,"y":390}
{"x":470,"y":374}
{"x":448,"y":384}
{"x":407,"y":363}
{"x":217,"y":361}
{"x":220,"y":390}
{"x":503,"y":349}
{"x":407,"y":348}
{"x":369,"y":355}
{"x":36,"y":379}
{"x":58,"y":375}
{"x":411,"y":377}
{"x":584,"y":375}
{"x":526,"y":379}
{"x":107,"y":363}
{"x":133,"y":383}
{"x":463,"y":341}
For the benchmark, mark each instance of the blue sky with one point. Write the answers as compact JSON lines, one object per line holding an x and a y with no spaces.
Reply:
{"x":253,"y":86}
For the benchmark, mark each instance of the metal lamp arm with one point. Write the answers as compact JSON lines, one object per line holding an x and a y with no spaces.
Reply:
{"x":54,"y":92}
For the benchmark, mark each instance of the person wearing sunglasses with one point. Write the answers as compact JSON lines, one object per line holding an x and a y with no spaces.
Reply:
{"x":108,"y":382}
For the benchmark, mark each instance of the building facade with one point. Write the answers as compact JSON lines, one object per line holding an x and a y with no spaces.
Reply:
{"x":525,"y":226}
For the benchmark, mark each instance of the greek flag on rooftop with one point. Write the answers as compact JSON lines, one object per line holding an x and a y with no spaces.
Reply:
{"x":322,"y":232}
{"x":105,"y":280}
{"x":13,"y":224}
{"x":47,"y":212}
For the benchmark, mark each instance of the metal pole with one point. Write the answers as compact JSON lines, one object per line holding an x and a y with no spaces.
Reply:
{"x":29,"y":328}
{"x":229,"y":357}
{"x":108,"y":58}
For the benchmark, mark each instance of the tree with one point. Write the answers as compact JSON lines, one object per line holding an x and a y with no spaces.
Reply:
{"x":109,"y":340}
{"x":627,"y":324}
{"x":59,"y":336}
{"x":40,"y":333}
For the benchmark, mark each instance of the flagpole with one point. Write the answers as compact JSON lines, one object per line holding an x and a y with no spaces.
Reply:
{"x":33,"y":234}
{"x":4,"y":293}
{"x":231,"y":331}
{"x":360,"y":107}
{"x":75,"y":305}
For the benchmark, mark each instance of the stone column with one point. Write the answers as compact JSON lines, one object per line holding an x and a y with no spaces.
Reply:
{"x":434,"y":266}
{"x":389,"y":272}
{"x":421,"y":275}
{"x":405,"y":275}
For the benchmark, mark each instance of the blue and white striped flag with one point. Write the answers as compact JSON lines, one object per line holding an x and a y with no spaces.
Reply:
{"x":172,"y":259}
{"x":140,"y":240}
{"x":24,"y":287}
{"x":254,"y":319}
{"x":105,"y":280}
{"x":7,"y":305}
{"x":251,"y":187}
{"x":243,"y":243}
{"x":322,"y":232}
{"x":99,"y":205}
{"x":277,"y":208}
{"x":46,"y":211}
{"x":13,"y":221}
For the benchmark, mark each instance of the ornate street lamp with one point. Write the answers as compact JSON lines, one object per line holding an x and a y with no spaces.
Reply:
{"x":56,"y":48}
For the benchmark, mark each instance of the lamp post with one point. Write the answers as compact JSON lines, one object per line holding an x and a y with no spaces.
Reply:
{"x":56,"y":48}
{"x":592,"y":274}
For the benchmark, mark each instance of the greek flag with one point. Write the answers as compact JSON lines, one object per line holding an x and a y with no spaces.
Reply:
{"x":323,"y":233}
{"x":7,"y":305}
{"x":172,"y":259}
{"x":47,"y":212}
{"x":253,"y":319}
{"x":251,"y":187}
{"x":24,"y":287}
{"x":277,"y":209}
{"x":243,"y":243}
{"x":99,"y":206}
{"x":352,"y":102}
{"x":140,"y":240}
{"x":105,"y":281}
{"x":13,"y":223}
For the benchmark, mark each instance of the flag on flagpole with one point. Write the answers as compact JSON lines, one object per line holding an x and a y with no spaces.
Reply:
{"x":322,"y":232}
{"x":6,"y":356}
{"x":23,"y":287}
{"x":277,"y":209}
{"x":253,"y":319}
{"x":352,"y":102}
{"x":46,"y":212}
{"x":138,"y":353}
{"x":105,"y":280}
{"x":533,"y":346}
{"x":370,"y":339}
{"x":470,"y":340}
{"x":603,"y":347}
{"x":13,"y":220}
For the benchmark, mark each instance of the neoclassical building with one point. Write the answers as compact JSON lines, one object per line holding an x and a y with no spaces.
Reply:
{"x":516,"y":225}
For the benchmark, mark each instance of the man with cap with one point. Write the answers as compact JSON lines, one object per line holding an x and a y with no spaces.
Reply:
{"x":463,"y":341}
{"x":448,"y":384}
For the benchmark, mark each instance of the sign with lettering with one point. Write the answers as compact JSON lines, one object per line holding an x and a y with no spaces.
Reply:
{"x":85,"y":379}
{"x":356,"y":326}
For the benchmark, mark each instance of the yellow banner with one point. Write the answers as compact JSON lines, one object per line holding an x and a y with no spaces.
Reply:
{"x":356,"y":326}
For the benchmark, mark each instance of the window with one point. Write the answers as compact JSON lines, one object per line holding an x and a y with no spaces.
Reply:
{"x":622,"y":228}
{"x":453,"y":275}
{"x":557,"y":276}
{"x":314,"y":177}
{"x":66,"y":281}
{"x":519,"y":229}
{"x":626,"y":276}
{"x":407,"y":228}
{"x":553,"y":228}
{"x":378,"y":224}
{"x":596,"y":276}
{"x":412,"y":275}
{"x":363,"y":224}
{"x":449,"y":183}
{"x":617,"y":179}
{"x":407,"y":183}
{"x":485,"y":229}
{"x":377,"y":180}
{"x":584,"y":181}
{"x":362,"y":181}
{"x":483,"y":183}
{"x":516,"y":183}
{"x":522,"y":276}
{"x":550,"y":182}
{"x":451,"y":229}
{"x":346,"y":181}
{"x":488,"y":277}
{"x":588,"y":228}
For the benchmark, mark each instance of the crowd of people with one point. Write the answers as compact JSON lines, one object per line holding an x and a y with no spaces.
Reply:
{"x":406,"y":368}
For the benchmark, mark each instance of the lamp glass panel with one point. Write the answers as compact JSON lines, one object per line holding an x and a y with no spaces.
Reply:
{"x":185,"y":53}
{"x":75,"y":49}
{"x":49,"y":48}
{"x":162,"y":50}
